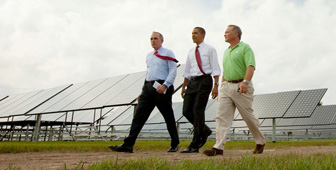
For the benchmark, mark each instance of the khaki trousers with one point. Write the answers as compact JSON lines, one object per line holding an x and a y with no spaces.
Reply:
{"x":228,"y":100}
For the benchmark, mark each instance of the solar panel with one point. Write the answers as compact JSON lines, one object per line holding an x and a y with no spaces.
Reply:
{"x":155,"y":112}
{"x":23,"y":103}
{"x":89,"y":94}
{"x":305,"y":103}
{"x":124,"y":118}
{"x":179,"y":76}
{"x":285,"y":122}
{"x":35,"y":100}
{"x":160,"y":128}
{"x":125,"y":92}
{"x":3,"y":119}
{"x":52,"y":116}
{"x":77,"y":96}
{"x":86,"y":115}
{"x":22,"y":118}
{"x":210,"y":110}
{"x":149,"y":127}
{"x":177,"y":107}
{"x":67,"y":97}
{"x":323,"y":115}
{"x":3,"y":98}
{"x":155,"y":117}
{"x":57,"y":102}
{"x":268,"y":122}
{"x":14,"y":101}
{"x":122,"y":127}
{"x":320,"y":127}
{"x":186,"y":127}
{"x":273,"y":105}
{"x":10,"y":99}
{"x":109,"y":117}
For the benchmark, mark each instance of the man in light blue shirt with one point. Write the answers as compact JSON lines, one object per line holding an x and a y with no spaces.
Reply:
{"x":157,"y":91}
{"x":159,"y":69}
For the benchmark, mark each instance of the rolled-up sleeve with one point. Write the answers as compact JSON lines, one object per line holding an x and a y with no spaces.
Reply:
{"x":214,"y":62}
{"x":187,"y":69}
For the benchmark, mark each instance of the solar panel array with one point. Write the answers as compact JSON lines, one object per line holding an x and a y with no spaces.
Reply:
{"x":267,"y":107}
{"x":22,"y":103}
{"x":109,"y":101}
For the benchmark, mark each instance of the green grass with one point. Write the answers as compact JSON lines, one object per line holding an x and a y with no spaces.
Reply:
{"x":246,"y":161}
{"x":63,"y":146}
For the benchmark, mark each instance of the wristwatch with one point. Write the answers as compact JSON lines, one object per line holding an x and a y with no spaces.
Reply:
{"x":217,"y":84}
{"x":246,"y":81}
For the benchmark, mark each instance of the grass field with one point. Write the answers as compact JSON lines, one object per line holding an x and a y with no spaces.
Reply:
{"x":246,"y":161}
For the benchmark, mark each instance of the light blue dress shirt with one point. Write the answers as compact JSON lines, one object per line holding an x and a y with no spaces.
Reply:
{"x":159,"y":69}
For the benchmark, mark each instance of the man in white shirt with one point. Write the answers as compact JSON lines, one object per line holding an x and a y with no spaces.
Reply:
{"x":202,"y":62}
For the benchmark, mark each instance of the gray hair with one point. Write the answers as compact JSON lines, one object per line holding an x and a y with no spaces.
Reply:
{"x":161,"y":36}
{"x":236,"y":29}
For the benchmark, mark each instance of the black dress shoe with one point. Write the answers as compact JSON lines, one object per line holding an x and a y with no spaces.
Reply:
{"x":121,"y":148}
{"x":173,"y":149}
{"x":190,"y":150}
{"x":204,"y":139}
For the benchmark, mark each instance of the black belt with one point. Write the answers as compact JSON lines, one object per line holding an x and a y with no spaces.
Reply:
{"x":199,"y":77}
{"x":236,"y":81}
{"x":152,"y":82}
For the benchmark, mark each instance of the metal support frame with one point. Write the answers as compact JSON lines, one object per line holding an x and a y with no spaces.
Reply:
{"x":273,"y":130}
{"x":37,"y":128}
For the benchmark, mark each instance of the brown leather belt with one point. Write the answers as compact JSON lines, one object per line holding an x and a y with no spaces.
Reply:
{"x":236,"y":81}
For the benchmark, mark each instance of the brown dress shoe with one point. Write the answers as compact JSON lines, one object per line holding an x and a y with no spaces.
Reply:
{"x":213,"y":152}
{"x":259,"y":149}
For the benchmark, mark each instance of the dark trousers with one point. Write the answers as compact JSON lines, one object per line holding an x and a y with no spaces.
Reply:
{"x":194,"y":104}
{"x":148,"y":100}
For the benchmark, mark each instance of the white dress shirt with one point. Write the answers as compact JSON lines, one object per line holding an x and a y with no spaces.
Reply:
{"x":209,"y":59}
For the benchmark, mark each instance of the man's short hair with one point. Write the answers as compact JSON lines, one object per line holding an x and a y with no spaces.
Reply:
{"x":161,"y":36}
{"x":237,"y":30}
{"x":202,"y":30}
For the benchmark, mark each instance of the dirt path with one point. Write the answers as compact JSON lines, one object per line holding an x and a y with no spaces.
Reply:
{"x":55,"y":161}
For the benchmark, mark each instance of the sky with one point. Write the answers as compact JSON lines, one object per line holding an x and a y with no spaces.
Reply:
{"x":48,"y":43}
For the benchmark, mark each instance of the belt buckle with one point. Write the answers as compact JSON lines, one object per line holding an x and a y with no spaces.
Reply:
{"x":195,"y":78}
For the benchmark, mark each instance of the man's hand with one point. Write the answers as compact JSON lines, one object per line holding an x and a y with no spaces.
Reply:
{"x":243,"y":88}
{"x":214,"y":92}
{"x":161,"y":89}
{"x":183,"y":92}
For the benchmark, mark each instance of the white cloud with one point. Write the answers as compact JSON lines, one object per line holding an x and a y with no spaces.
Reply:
{"x":45,"y":44}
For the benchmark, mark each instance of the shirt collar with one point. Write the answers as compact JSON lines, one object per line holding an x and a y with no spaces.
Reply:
{"x":158,"y":49}
{"x":235,"y":46}
{"x":200,"y":45}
